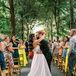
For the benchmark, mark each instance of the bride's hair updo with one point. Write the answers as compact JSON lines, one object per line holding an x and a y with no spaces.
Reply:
{"x":41,"y":32}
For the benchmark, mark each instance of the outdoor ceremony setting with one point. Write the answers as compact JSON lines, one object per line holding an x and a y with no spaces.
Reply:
{"x":37,"y":37}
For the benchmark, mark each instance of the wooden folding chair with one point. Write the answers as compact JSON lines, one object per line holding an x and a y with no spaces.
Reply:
{"x":8,"y":71}
{"x":74,"y":70}
{"x":60,"y":65}
{"x":55,"y":59}
{"x":16,"y":69}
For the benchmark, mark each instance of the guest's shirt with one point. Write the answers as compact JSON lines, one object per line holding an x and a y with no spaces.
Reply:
{"x":55,"y":46}
{"x":73,"y":44}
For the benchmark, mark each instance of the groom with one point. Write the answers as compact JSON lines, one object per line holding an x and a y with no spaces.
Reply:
{"x":45,"y":49}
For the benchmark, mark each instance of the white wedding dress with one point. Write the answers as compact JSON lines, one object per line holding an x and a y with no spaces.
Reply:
{"x":39,"y":65}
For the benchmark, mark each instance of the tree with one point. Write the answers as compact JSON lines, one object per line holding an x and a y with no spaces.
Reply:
{"x":21,"y":16}
{"x":71,"y":15}
{"x":12,"y":18}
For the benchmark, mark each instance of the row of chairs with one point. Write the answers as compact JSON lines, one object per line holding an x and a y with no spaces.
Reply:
{"x":63,"y":64}
{"x":16,"y":70}
{"x":7,"y":71}
{"x":17,"y":67}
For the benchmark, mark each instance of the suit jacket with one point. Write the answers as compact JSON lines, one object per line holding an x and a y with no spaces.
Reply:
{"x":45,"y":49}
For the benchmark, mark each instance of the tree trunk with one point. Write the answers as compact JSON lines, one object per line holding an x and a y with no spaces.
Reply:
{"x":47,"y":25}
{"x":51,"y":28}
{"x":27,"y":31}
{"x":55,"y":15}
{"x":22,"y":29}
{"x":12,"y":17}
{"x":22,"y":23}
{"x":71,"y":15}
{"x":58,"y":17}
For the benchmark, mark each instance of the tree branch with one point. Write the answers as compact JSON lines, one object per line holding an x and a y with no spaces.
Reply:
{"x":6,"y":7}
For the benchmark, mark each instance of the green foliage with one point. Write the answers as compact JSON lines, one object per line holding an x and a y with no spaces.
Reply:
{"x":55,"y":14}
{"x":4,"y":18}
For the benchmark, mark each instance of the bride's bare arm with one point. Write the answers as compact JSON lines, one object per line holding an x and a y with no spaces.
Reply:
{"x":38,"y":41}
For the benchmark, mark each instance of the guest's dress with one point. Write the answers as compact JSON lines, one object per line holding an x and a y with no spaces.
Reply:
{"x":22,"y":52}
{"x":8,"y":56}
{"x":39,"y":65}
{"x":15,"y":54}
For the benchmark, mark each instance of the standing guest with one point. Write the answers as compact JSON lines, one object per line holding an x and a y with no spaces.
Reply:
{"x":2,"y":61}
{"x":26,"y":49}
{"x":4,"y":43}
{"x":8,"y":56}
{"x":50,"y":46}
{"x":66,"y":46}
{"x":66,"y":52}
{"x":30,"y":45}
{"x":50,"y":43}
{"x":21,"y":49}
{"x":72,"y":54}
{"x":55,"y":46}
{"x":15,"y":46}
{"x":61,"y":45}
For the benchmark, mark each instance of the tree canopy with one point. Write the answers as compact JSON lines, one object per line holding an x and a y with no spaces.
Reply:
{"x":18,"y":17}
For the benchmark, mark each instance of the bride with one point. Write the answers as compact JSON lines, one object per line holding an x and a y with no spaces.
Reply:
{"x":39,"y":65}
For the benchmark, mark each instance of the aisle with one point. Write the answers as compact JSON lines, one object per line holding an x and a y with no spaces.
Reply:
{"x":55,"y":71}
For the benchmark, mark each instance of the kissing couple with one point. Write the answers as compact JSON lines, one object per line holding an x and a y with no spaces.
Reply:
{"x":41,"y":63}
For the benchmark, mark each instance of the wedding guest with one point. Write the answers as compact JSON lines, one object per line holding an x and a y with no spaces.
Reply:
{"x":15,"y":46}
{"x":26,"y":49}
{"x":21,"y":49}
{"x":30,"y":45}
{"x":72,"y":56}
{"x":2,"y":61}
{"x":60,"y":49}
{"x":4,"y":43}
{"x":66,"y":46}
{"x":8,"y":56}
{"x":55,"y":46}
